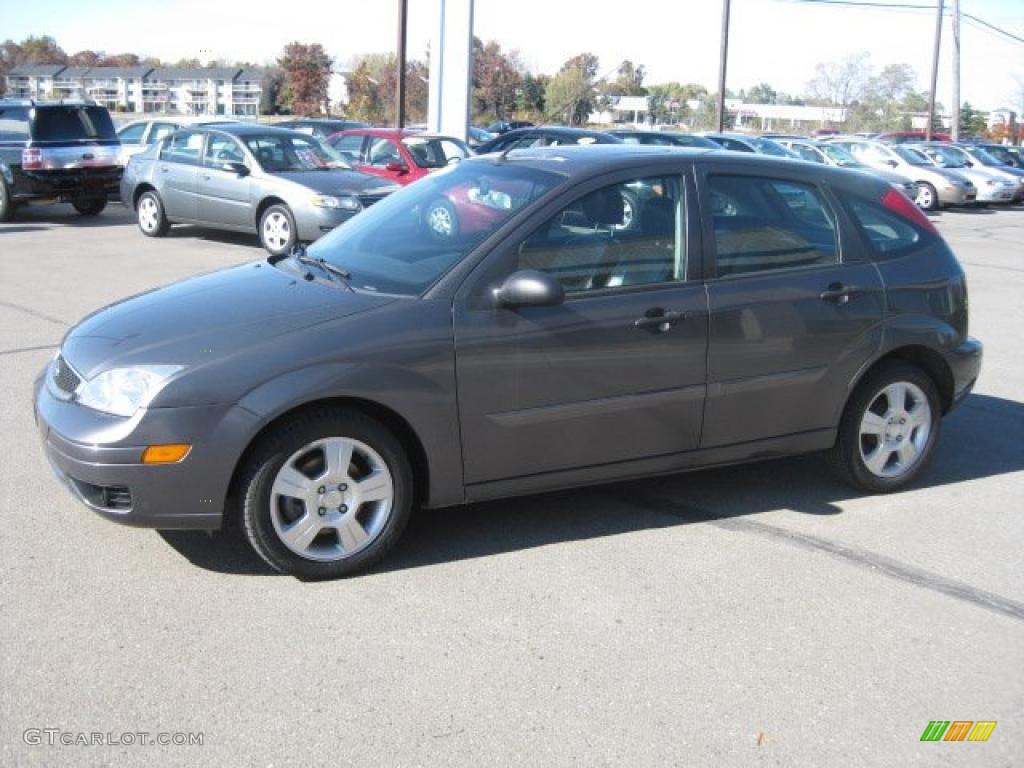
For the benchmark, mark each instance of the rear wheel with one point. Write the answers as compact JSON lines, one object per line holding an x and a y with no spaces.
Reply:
{"x":327,"y":495}
{"x":927,"y":197}
{"x":90,"y":206}
{"x":6,"y":204}
{"x":441,"y":219}
{"x":889,"y":429}
{"x":150,"y":212}
{"x":277,"y":230}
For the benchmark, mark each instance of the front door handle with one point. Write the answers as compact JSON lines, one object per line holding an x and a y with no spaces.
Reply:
{"x":838,"y":293}
{"x":206,"y":177}
{"x":164,"y":169}
{"x":659,"y":320}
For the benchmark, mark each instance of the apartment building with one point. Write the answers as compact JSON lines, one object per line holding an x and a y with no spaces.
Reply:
{"x":165,"y":90}
{"x":32,"y":81}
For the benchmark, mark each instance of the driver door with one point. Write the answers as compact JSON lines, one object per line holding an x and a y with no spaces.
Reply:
{"x":614,"y":373}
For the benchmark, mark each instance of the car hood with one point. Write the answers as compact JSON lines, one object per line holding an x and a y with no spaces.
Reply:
{"x":339,"y":182}
{"x":220,"y":313}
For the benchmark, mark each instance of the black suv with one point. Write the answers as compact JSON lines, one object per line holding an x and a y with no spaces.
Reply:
{"x":63,"y":151}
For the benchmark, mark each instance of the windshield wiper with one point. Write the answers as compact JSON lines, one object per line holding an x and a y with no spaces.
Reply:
{"x":333,"y":272}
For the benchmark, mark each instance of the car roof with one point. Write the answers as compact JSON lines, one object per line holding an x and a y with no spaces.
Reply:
{"x":556,"y":130}
{"x":242,"y":129}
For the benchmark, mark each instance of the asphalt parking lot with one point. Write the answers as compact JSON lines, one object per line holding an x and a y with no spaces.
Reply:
{"x":757,"y":615}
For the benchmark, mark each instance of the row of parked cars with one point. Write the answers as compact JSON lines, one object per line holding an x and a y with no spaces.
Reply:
{"x":299,"y":179}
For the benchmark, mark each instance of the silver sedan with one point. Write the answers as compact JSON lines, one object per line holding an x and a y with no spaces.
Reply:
{"x":283,"y":185}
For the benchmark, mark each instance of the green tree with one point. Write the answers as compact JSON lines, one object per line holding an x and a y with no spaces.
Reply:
{"x":531,"y":99}
{"x":272,"y":86}
{"x":571,"y":95}
{"x":972,"y":122}
{"x":497,"y":80}
{"x":762,"y":93}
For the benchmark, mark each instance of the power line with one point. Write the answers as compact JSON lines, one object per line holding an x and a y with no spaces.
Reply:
{"x":910,"y":7}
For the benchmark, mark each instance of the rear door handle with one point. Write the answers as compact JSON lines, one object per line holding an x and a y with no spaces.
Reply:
{"x":838,"y":293}
{"x":659,"y":320}
{"x":164,"y":169}
{"x":206,"y":177}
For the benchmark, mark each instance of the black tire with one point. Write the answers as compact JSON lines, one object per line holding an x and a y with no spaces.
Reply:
{"x":151,"y":220}
{"x":441,"y":220}
{"x":90,"y":206}
{"x":931,"y":194}
{"x":292,"y":237}
{"x":846,"y":456}
{"x":268,"y":457}
{"x":6,"y":204}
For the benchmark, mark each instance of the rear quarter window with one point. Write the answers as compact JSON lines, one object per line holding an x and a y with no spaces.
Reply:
{"x":888,"y":234}
{"x":13,"y":124}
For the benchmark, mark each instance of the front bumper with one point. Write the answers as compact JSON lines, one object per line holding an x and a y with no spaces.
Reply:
{"x":1000,"y":193}
{"x":313,"y":222}
{"x":98,"y":458}
{"x":965,"y":363}
{"x":950,"y":195}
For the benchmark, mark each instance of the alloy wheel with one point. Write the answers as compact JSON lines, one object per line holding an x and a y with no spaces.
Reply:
{"x":276,"y":230}
{"x":894,"y":429}
{"x":331,"y":499}
{"x":149,"y":214}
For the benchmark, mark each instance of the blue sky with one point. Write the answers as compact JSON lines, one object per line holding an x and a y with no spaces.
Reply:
{"x":777,"y":41}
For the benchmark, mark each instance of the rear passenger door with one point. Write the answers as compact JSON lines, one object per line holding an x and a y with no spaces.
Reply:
{"x":177,"y":173}
{"x":795,"y":309}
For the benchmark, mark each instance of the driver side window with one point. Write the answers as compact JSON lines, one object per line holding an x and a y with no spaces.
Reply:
{"x":619,"y":236}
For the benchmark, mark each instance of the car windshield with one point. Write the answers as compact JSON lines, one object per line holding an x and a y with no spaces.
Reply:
{"x":947,"y":158}
{"x":840,"y":156}
{"x":912,"y":156}
{"x":435,"y":152}
{"x":404,"y":243}
{"x":995,"y":156}
{"x":768,"y":147}
{"x":283,"y":152}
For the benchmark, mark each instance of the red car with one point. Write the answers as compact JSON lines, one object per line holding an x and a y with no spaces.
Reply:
{"x":401,"y":156}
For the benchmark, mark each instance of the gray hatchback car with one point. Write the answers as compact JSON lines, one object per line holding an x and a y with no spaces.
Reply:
{"x":285,"y":185}
{"x":749,"y":308}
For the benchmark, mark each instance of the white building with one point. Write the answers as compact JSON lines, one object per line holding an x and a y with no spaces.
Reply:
{"x":33,"y":81}
{"x":223,"y":91}
{"x":775,"y":117}
{"x":623,"y":109}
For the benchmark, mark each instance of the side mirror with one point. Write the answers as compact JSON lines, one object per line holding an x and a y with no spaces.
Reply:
{"x":240,"y":169}
{"x":530,"y":288}
{"x":394,"y":167}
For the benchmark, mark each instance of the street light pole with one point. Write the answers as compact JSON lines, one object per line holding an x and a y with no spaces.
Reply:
{"x":403,"y":12}
{"x":956,"y":71}
{"x":935,"y":73}
{"x":723,"y":58}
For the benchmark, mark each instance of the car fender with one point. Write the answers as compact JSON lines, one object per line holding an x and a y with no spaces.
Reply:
{"x":426,"y":406}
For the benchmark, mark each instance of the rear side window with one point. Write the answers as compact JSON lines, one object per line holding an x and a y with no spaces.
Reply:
{"x":13,"y":124}
{"x":132,"y":134}
{"x":887,"y":232}
{"x":69,"y":123}
{"x":183,"y":147}
{"x":351,"y":147}
{"x":764,"y":224}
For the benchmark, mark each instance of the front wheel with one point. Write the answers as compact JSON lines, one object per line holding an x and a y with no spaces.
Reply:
{"x":441,"y":220}
{"x":927,"y":196}
{"x":327,"y":495}
{"x":889,"y":429}
{"x":90,"y":206}
{"x":277,"y":230}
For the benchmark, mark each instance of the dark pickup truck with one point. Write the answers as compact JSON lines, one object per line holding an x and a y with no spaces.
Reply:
{"x":64,"y":152}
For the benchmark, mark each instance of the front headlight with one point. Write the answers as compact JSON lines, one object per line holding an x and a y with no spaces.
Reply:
{"x":122,"y":391}
{"x":343,"y":203}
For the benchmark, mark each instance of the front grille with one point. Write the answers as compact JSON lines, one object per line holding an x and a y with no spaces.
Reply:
{"x":368,"y":200}
{"x":65,"y":378}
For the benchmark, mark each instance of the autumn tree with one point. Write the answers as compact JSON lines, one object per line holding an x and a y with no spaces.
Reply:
{"x":307,"y":72}
{"x":497,"y":79}
{"x":84,"y":59}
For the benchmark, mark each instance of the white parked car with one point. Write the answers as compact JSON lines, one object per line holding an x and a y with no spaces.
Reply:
{"x":139,"y":134}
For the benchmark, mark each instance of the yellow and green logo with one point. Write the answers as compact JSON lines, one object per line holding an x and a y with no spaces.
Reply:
{"x":958,"y":730}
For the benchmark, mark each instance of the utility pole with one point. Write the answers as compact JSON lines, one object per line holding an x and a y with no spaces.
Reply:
{"x":724,"y":56}
{"x":935,"y":73}
{"x":403,"y":12}
{"x":956,"y":71}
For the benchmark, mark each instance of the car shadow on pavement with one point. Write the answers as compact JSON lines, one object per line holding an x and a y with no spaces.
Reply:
{"x":980,"y":439}
{"x":213,"y":235}
{"x":65,"y":215}
{"x":17,"y":228}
